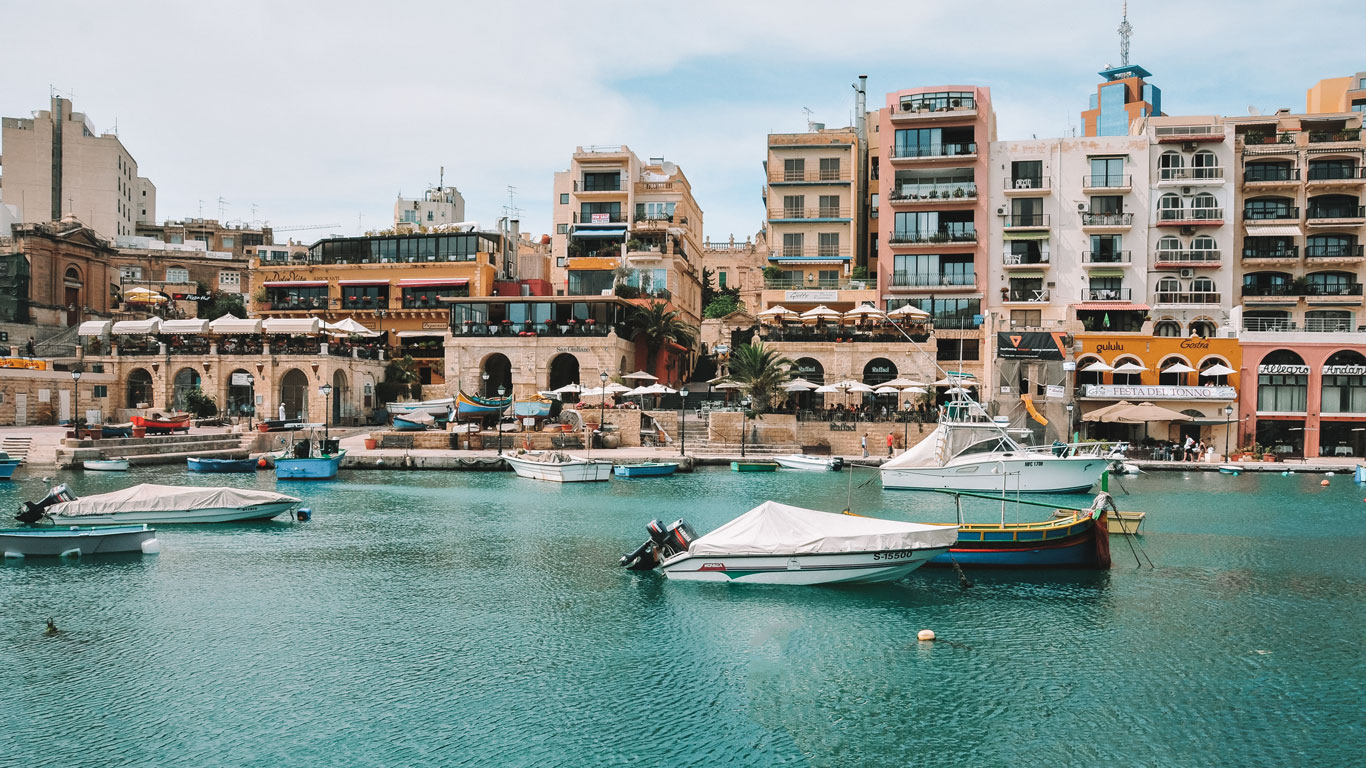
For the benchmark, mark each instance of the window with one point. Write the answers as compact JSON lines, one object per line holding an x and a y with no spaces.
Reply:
{"x":1268,"y":247}
{"x":101,"y":391}
{"x":228,"y":242}
{"x":564,"y":198}
{"x":1168,"y":285}
{"x":1169,"y":328}
{"x":1168,"y":244}
{"x":830,"y":206}
{"x":591,"y":213}
{"x":792,"y":244}
{"x":365,"y":296}
{"x":1108,"y":205}
{"x":1205,"y":206}
{"x":1130,"y":379}
{"x":1026,"y":174}
{"x":1169,"y":207}
{"x":177,"y":275}
{"x":1268,"y":172}
{"x":1331,"y":284}
{"x":921,"y":225}
{"x":1331,"y":169}
{"x":175,"y":239}
{"x":830,"y":169}
{"x":1106,"y":288}
{"x":1204,"y":244}
{"x":655,"y":211}
{"x":230,"y":282}
{"x":721,"y":279}
{"x":586,"y":282}
{"x":561,"y":229}
{"x":1028,"y":252}
{"x":1171,"y":379}
{"x":608,"y":181}
{"x":1171,"y":165}
{"x":794,"y":169}
{"x":794,"y":206}
{"x":431,"y":215}
{"x":1333,"y":207}
{"x":1282,"y":392}
{"x":829,"y":244}
{"x":1107,"y":172}
{"x":1027,"y":289}
{"x":957,"y":349}
{"x":1205,"y":165}
{"x":127,"y":273}
{"x":934,"y":142}
{"x":1330,"y":245}
{"x":1026,"y":318}
{"x":1107,"y":249}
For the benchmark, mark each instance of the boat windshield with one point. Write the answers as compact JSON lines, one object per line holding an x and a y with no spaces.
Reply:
{"x":992,"y":445}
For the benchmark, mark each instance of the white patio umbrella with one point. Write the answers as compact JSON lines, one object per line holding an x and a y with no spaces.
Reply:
{"x":777,"y":311}
{"x":1097,"y":366}
{"x":821,"y":312}
{"x":640,"y":375}
{"x":908,"y":310}
{"x":635,"y":391}
{"x":659,"y":389}
{"x":826,"y":389}
{"x":1218,"y":369}
{"x":887,"y":389}
{"x":957,"y":391}
{"x":914,"y":391}
{"x":729,"y":385}
{"x":844,"y":384}
{"x":1178,"y":368}
{"x":865,"y":310}
{"x":799,"y":386}
{"x":950,"y":381}
{"x":1130,"y":368}
{"x":349,"y":327}
{"x":616,"y":389}
{"x":803,"y":382}
{"x":568,"y":389}
{"x":903,"y":383}
{"x":860,"y":387}
{"x":594,"y":392}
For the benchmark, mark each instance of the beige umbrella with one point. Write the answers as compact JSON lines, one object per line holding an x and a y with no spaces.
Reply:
{"x":642,"y":375}
{"x":777,"y":311}
{"x":914,"y":391}
{"x":910,"y":311}
{"x":799,"y":386}
{"x":802,"y":382}
{"x":1100,"y":414}
{"x":904,"y":383}
{"x":821,"y":312}
{"x":826,"y":389}
{"x":865,"y":310}
{"x":616,"y":389}
{"x":1146,"y":412}
{"x":729,"y":385}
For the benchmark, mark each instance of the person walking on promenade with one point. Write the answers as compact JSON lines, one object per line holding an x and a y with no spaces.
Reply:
{"x":1186,"y":448}
{"x":891,"y":443}
{"x":863,"y":443}
{"x":282,"y":411}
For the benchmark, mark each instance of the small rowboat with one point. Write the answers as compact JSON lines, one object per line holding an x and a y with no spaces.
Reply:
{"x":1079,"y":538}
{"x":1229,"y":469}
{"x":436,"y":408}
{"x":471,"y":405}
{"x":116,"y":430}
{"x":809,"y":463}
{"x":161,"y":424}
{"x":220,"y":465}
{"x":78,"y":540}
{"x":536,"y":408}
{"x":414,"y":421}
{"x":753,"y":466}
{"x":7,"y":470}
{"x":646,"y":469}
{"x":106,"y":465}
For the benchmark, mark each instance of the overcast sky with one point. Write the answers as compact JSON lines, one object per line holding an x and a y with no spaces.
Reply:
{"x":321,"y":113}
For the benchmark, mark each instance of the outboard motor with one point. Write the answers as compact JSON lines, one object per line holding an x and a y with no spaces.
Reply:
{"x":678,"y":536}
{"x":838,"y":463}
{"x":35,"y":511}
{"x":662,"y":544}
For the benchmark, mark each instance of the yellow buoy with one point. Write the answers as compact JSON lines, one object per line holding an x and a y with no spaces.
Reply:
{"x":925,"y":635}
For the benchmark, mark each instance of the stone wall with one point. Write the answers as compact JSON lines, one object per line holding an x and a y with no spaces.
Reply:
{"x":38,"y":397}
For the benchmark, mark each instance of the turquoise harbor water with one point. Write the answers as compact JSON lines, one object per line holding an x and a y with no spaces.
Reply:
{"x":431,"y":618}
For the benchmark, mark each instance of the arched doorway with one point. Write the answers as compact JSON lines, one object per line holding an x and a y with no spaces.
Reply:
{"x":139,"y":388}
{"x":241,"y":393}
{"x":1169,"y":328}
{"x":810,"y":368}
{"x":341,"y":397}
{"x":564,"y":369}
{"x":1282,"y":401}
{"x":1130,"y":379}
{"x":879,"y":370}
{"x":185,"y":380}
{"x":499,"y":370}
{"x":1219,"y":380}
{"x":72,"y":286}
{"x":1085,"y":376}
{"x":1173,"y":378}
{"x":1204,"y":328}
{"x":1343,"y":396}
{"x":294,"y":394}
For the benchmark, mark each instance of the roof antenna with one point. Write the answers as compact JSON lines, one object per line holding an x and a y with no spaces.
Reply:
{"x":1125,"y":32}
{"x":808,"y":112}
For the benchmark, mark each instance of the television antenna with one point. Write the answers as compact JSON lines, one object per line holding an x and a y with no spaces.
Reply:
{"x":1125,"y":32}
{"x":808,"y":112}
{"x":511,"y":211}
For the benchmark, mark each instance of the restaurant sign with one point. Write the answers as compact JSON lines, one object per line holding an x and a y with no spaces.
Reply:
{"x":1284,"y":370}
{"x":1344,"y":370}
{"x":1157,"y":392}
{"x":811,"y":295}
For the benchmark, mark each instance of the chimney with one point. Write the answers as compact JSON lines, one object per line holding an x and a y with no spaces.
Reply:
{"x":861,"y":108}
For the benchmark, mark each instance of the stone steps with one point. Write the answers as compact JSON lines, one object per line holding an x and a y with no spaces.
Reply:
{"x":729,"y":449}
{"x":160,"y":449}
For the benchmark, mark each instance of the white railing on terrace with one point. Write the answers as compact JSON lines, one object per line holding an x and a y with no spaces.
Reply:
{"x":1191,"y":174}
{"x":1184,"y":256}
{"x":1187,"y":130}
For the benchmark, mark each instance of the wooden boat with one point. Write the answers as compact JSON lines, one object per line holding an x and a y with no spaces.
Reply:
{"x":50,"y":541}
{"x":646,"y":469}
{"x":467,"y":406}
{"x":7,"y":470}
{"x":220,"y":465}
{"x":106,"y":465}
{"x":436,"y":408}
{"x":308,"y":458}
{"x":1079,"y":540}
{"x":1230,"y":469}
{"x":110,"y":431}
{"x":156,"y":505}
{"x":558,"y":467}
{"x":809,"y":463}
{"x":536,"y":408}
{"x":416,"y":421}
{"x":753,"y":466}
{"x":159,"y":424}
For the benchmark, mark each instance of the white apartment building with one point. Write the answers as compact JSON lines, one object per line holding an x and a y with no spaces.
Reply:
{"x":439,"y":205}
{"x":55,"y":163}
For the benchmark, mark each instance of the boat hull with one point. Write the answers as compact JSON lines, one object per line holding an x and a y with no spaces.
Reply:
{"x":204,"y":515}
{"x":313,"y":468}
{"x":56,"y":542}
{"x":646,"y":470}
{"x":1075,"y":542}
{"x":1022,"y":474}
{"x":531,"y":409}
{"x":469,"y":405}
{"x":7,"y":471}
{"x":807,"y":463}
{"x":799,"y":569}
{"x":753,"y":466}
{"x":221,"y":465}
{"x":105,"y":465}
{"x":404,"y":425}
{"x":574,"y":472}
{"x":107,"y":431}
{"x":437,"y":407}
{"x":162,"y":426}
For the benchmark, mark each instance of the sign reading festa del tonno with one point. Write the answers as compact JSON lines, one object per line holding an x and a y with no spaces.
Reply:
{"x":1157,"y":392}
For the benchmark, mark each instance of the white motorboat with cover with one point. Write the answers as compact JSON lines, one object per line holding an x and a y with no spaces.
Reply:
{"x":970,"y":452}
{"x":780,"y":544}
{"x":810,"y":463}
{"x":157,"y":504}
{"x":558,"y":467}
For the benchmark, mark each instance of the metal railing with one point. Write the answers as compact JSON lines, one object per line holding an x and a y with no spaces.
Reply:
{"x":1107,"y":294}
{"x":932,"y":103}
{"x":918,"y":280}
{"x":1194,"y":173}
{"x":1190,"y":214}
{"x":1105,"y":257}
{"x":1107,"y":180}
{"x":808,"y":252}
{"x":824,"y":284}
{"x":1187,"y":130}
{"x":1302,"y":289}
{"x":820,"y":212}
{"x":509,"y":329}
{"x":932,"y":238}
{"x":598,"y":186}
{"x":1187,"y":256}
{"x":1281,"y":175}
{"x":809,"y":174}
{"x":1272,"y":214}
{"x":1336,"y":212}
{"x":1332,"y":251}
{"x":956,"y":149}
{"x":1311,"y":325}
{"x":1186,"y":297}
{"x":1023,"y":260}
{"x":1259,"y":139}
{"x":1027,"y":295}
{"x":934,"y":191}
{"x":1289,"y":252}
{"x":602,"y":218}
{"x":1028,"y":182}
{"x":1317,"y":137}
{"x":1027,"y":220}
{"x":1335,"y":173}
{"x":1106,"y":219}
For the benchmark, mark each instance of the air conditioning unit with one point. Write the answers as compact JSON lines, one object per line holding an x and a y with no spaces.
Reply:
{"x":1001,"y":211}
{"x":1081,"y":207}
{"x":1185,"y":190}
{"x":1189,"y":146}
{"x":1187,"y":273}
{"x":1188,"y":230}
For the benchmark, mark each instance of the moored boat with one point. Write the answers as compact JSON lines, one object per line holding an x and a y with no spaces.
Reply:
{"x":109,"y":431}
{"x":105,"y":465}
{"x":435,"y":408}
{"x":468,"y":406}
{"x":558,"y":467}
{"x":646,"y":469}
{"x":157,"y":505}
{"x":413,"y":421}
{"x":781,"y":544}
{"x":207,"y":464}
{"x":51,"y":541}
{"x":7,"y":470}
{"x":809,"y":463}
{"x":160,"y":424}
{"x":753,"y":466}
{"x":308,"y":458}
{"x":1078,"y":540}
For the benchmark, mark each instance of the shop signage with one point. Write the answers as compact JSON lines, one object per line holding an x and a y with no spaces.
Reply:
{"x":1284,"y":370}
{"x":571,"y":349}
{"x":1157,"y":392}
{"x":877,"y":369}
{"x":1069,"y":366}
{"x":811,"y":295}
{"x":1029,"y":345}
{"x":602,"y":218}
{"x":1053,"y":392}
{"x":1344,"y":370}
{"x":433,"y":326}
{"x":241,"y":379}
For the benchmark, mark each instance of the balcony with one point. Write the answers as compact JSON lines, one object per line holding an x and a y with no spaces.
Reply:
{"x":1185,"y":298}
{"x":364,"y":303}
{"x":1027,"y":221}
{"x":1106,"y":220}
{"x":1110,"y":182}
{"x":820,"y":284}
{"x":815,"y":253}
{"x":1183,"y":257}
{"x":1021,"y":261}
{"x":1263,"y":139}
{"x":1027,"y":185}
{"x":1288,"y":213}
{"x":917,"y":280}
{"x":1333,"y":137}
{"x":1107,"y":294}
{"x":1190,"y":217}
{"x":1332,"y":215}
{"x":822,"y":213}
{"x":930,"y":108}
{"x":1025,"y":296}
{"x":1301,"y":288}
{"x":934,"y":193}
{"x":1191,"y":176}
{"x":570,"y":328}
{"x":1105,"y":258}
{"x":1310,"y":325}
{"x":809,"y":176}
{"x":1283,"y":177}
{"x":961,"y":149}
{"x":658,"y":187}
{"x":599,"y":218}
{"x":968,"y":237}
{"x":1333,"y":252}
{"x":1170,"y":134}
{"x":1291,"y":253}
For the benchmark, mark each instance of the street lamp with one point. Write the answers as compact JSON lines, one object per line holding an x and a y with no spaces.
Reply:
{"x":500,"y":423}
{"x":1228,"y":416}
{"x":682,"y":422}
{"x":744,"y":414}
{"x":76,"y":385}
{"x":906,"y":426}
{"x":326,"y":391}
{"x":485,"y":377}
{"x":602,"y":405}
{"x":1069,"y":422}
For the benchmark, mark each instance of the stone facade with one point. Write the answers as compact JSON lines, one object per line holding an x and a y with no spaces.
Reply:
{"x":47,"y":396}
{"x":537,"y":363}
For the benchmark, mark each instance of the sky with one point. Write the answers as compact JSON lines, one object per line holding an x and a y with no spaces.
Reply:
{"x":304,"y":114}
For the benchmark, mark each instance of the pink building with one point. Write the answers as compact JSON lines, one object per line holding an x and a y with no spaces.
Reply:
{"x":1303,"y":398}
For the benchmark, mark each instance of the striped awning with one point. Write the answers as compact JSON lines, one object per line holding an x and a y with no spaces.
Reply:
{"x":435,"y":282}
{"x":229,"y":325}
{"x":292,"y":325}
{"x":94,"y":328}
{"x":137,"y":327}
{"x":1025,"y":235}
{"x":362,"y":282}
{"x":598,"y":234}
{"x":185,"y":326}
{"x":1110,"y":305}
{"x":1281,"y":230}
{"x":1027,"y":273}
{"x":1107,"y":272}
{"x":421,"y":334}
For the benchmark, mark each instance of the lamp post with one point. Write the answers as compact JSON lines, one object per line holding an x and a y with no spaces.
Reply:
{"x":76,"y":406}
{"x":602,"y":405}
{"x":500,"y":423}
{"x":326,"y":391}
{"x":744,"y":414}
{"x":906,"y":426}
{"x":1228,"y":416}
{"x":682,"y":422}
{"x":485,"y":377}
{"x":1069,"y":422}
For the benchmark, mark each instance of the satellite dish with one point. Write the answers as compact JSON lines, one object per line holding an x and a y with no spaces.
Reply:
{"x":1251,"y":110}
{"x":668,"y":168}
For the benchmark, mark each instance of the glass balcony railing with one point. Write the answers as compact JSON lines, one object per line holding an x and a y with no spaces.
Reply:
{"x":1027,"y":220}
{"x":932,"y":238}
{"x":1106,"y":219}
{"x":923,"y":280}
{"x":941,"y":191}
{"x":1107,"y":180}
{"x":1202,"y":173}
{"x":1289,"y":252}
{"x":1333,"y":251}
{"x":1270,"y":214}
{"x":1105,"y":257}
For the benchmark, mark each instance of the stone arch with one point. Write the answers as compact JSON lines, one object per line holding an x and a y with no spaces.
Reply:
{"x":294,"y":394}
{"x":1173,"y":379}
{"x":499,"y":370}
{"x":879,"y":370}
{"x":809,"y":368}
{"x":1089,"y":377}
{"x":1167,"y":327}
{"x":341,"y":396}
{"x":241,"y":397}
{"x":139,"y":388}
{"x":1131,"y":379}
{"x":185,"y":380}
{"x":1282,"y":357}
{"x":1204,"y":327}
{"x":1346,"y":357}
{"x":564,"y":369}
{"x":1208,"y":362}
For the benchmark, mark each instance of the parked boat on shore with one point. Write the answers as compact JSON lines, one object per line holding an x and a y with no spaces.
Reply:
{"x":558,"y":467}
{"x":105,"y":465}
{"x":806,"y":463}
{"x":157,"y":505}
{"x":51,"y":541}
{"x":781,"y":544}
{"x":110,"y":431}
{"x":470,"y":406}
{"x":207,"y":464}
{"x":434,"y":408}
{"x":160,"y":424}
{"x":413,"y":421}
{"x":646,"y":469}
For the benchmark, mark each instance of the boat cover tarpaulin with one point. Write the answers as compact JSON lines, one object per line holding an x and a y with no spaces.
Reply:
{"x":922,"y":453}
{"x":148,"y":497}
{"x":778,"y":529}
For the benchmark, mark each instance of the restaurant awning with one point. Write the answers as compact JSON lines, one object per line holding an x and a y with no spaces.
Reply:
{"x":598,"y":234}
{"x":435,"y":282}
{"x":1025,"y":235}
{"x":137,"y":327}
{"x":291,"y":325}
{"x":362,"y":282}
{"x":94,"y":328}
{"x":228,"y":324}
{"x":185,"y":326}
{"x":1279,"y":230}
{"x":295,"y":283}
{"x":421,"y":334}
{"x":1028,"y":273}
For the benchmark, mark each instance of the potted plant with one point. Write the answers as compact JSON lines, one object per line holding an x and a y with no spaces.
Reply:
{"x":959,"y":192}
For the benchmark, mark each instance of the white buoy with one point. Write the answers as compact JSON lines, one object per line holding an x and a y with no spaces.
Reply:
{"x":925,"y":635}
{"x":1330,"y":474}
{"x":151,"y":547}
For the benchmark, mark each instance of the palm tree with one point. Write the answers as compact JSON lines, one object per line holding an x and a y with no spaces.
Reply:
{"x":657,"y":325}
{"x":403,"y":373}
{"x":761,"y":370}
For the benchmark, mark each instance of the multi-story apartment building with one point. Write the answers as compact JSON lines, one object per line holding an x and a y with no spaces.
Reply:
{"x":1337,"y":94}
{"x":216,"y":236}
{"x":438,"y":206}
{"x":627,"y":228}
{"x":55,"y":163}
